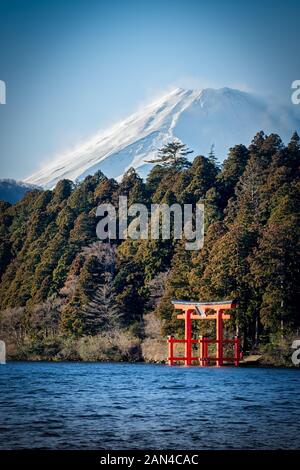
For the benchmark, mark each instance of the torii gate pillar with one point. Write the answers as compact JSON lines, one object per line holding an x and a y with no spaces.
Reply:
{"x":188,"y":337}
{"x":219,"y":338}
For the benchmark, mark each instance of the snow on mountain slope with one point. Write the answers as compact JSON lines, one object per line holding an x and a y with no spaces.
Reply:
{"x":199,"y":118}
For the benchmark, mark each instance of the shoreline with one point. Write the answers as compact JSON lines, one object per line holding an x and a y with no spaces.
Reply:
{"x":243,"y":364}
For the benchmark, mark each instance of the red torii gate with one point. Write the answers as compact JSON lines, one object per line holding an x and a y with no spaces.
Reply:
{"x":198,"y":311}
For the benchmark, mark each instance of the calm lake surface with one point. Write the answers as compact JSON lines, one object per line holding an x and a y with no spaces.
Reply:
{"x":126,"y":406}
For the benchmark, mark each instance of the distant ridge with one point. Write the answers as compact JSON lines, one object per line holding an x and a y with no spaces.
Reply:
{"x":12,"y":191}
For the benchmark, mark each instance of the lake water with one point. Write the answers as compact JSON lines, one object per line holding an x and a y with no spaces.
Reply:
{"x":140,"y":406}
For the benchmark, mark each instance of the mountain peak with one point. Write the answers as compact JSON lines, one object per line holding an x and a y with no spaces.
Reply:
{"x":199,"y":118}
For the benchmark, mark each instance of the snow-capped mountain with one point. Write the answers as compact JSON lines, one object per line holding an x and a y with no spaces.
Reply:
{"x":11,"y":190}
{"x":199,"y":118}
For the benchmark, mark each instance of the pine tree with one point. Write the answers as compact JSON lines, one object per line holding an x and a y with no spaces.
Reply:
{"x":232,"y":169}
{"x":101,"y":312}
{"x":201,"y":177}
{"x":212,"y":156}
{"x":173,"y":155}
{"x":275,"y":263}
{"x":177,"y":287}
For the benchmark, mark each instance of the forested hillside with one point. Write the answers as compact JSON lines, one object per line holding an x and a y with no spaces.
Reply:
{"x":66,"y":295}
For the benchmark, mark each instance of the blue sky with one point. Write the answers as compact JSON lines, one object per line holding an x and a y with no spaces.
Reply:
{"x":72,"y":67}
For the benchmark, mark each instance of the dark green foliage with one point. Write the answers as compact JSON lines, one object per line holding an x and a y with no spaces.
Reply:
{"x":173,"y":155}
{"x":232,"y":170}
{"x":49,"y":248}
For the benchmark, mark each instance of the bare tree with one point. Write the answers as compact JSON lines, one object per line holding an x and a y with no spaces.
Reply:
{"x":156,"y":289}
{"x":12,"y":324}
{"x":104,"y":252}
{"x":45,"y":317}
{"x":70,"y":286}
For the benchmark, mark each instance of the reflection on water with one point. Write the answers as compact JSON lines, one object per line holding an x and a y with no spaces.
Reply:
{"x":125,"y":406}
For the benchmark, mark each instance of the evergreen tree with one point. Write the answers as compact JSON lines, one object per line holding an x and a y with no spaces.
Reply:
{"x":174,"y":154}
{"x":212,"y":156}
{"x":177,"y":287}
{"x":101,"y":312}
{"x":232,"y":169}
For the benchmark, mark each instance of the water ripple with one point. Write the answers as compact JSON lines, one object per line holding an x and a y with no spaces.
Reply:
{"x":138,"y":406}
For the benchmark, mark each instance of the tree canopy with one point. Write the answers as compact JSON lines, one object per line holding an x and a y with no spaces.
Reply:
{"x":50,"y":255}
